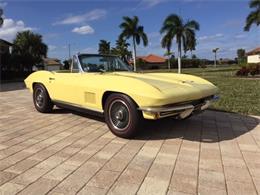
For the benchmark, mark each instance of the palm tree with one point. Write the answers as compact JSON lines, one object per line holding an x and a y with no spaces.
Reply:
{"x":104,"y":47}
{"x":190,"y":44}
{"x":215,"y":52}
{"x":167,"y":43}
{"x":29,"y":49}
{"x":174,"y":27}
{"x":169,"y":55}
{"x":254,"y":16}
{"x":131,"y":29}
{"x":121,"y":49}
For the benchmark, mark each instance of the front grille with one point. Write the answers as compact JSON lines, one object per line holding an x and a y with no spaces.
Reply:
{"x":195,"y":103}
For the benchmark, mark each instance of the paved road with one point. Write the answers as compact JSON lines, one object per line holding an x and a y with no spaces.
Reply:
{"x":69,"y":153}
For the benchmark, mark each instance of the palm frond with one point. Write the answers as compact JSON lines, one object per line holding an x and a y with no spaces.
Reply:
{"x":173,"y":18}
{"x":254,"y":4}
{"x":251,"y":19}
{"x":167,"y":41}
{"x":137,"y":39}
{"x":145,"y":39}
{"x":192,"y":24}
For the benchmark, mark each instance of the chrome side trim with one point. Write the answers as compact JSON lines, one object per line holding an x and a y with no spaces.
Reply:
{"x":77,"y":105}
{"x":166,"y":109}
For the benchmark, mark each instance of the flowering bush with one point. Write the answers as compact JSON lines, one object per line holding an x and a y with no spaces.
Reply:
{"x":250,"y":69}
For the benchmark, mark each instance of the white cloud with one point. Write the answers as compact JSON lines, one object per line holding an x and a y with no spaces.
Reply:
{"x":240,"y":36}
{"x":211,"y":37}
{"x":152,"y":3}
{"x":3,"y":4}
{"x":90,"y":50}
{"x":84,"y":30}
{"x":11,"y":27}
{"x":89,"y":16}
{"x":153,"y":34}
{"x":52,"y":47}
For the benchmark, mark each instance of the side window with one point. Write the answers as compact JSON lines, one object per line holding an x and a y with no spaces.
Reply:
{"x":75,"y":65}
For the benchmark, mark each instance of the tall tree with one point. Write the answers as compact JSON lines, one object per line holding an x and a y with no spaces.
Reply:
{"x":104,"y":47}
{"x":121,"y":49}
{"x":254,"y":16}
{"x":241,"y":55}
{"x":29,"y":49}
{"x":167,"y":43}
{"x":175,"y":27}
{"x":131,"y":29}
{"x":190,"y":45}
{"x":215,"y":55}
{"x":66,"y":64}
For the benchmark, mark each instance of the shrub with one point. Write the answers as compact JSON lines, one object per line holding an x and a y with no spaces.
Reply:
{"x":252,"y":69}
{"x":191,"y":63}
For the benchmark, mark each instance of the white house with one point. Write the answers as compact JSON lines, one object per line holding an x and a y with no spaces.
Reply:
{"x":50,"y":64}
{"x":253,"y":56}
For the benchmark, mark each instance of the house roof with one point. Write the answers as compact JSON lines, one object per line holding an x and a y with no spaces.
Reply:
{"x":254,"y":51}
{"x":51,"y":61}
{"x":2,"y":41}
{"x":151,"y":58}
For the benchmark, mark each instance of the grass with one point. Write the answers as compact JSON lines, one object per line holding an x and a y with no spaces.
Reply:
{"x":240,"y":95}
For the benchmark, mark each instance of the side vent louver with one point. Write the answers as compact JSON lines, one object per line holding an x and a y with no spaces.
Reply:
{"x":90,"y":97}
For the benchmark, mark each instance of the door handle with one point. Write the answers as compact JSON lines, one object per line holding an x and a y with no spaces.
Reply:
{"x":51,"y":78}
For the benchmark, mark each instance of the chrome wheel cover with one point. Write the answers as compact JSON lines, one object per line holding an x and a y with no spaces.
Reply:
{"x":39,"y":97}
{"x":119,"y":115}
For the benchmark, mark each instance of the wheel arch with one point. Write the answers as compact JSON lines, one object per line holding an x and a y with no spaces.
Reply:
{"x":35,"y":83}
{"x":106,"y":94}
{"x":40,"y":83}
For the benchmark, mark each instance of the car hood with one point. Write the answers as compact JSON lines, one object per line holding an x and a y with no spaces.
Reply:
{"x":172,"y":83}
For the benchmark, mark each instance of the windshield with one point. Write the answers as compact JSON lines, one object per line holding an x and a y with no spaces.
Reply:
{"x":100,"y":63}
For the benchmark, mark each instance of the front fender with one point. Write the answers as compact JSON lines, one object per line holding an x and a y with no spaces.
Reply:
{"x":38,"y":77}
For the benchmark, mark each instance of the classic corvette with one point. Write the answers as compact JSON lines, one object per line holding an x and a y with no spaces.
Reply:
{"x":106,"y":85}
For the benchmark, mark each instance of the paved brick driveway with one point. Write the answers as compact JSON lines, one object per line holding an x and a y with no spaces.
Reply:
{"x":69,"y":153}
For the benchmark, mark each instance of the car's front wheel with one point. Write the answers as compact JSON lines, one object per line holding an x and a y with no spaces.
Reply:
{"x":122,"y":116}
{"x":41,"y":99}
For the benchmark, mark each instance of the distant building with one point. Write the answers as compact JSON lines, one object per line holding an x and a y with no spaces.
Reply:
{"x":151,"y":61}
{"x":253,"y":56}
{"x":50,"y":64}
{"x":5,"y":47}
{"x":5,"y":54}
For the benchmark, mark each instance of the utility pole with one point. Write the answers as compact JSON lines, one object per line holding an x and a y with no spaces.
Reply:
{"x":215,"y":52}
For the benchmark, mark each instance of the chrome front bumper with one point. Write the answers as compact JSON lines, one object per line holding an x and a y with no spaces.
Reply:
{"x":181,"y":111}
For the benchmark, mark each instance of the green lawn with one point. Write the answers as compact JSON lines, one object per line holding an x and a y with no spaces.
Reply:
{"x":241,"y":95}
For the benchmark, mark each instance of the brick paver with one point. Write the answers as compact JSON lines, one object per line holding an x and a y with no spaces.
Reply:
{"x":70,"y":153}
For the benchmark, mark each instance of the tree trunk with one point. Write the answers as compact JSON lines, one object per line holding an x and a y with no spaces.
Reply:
{"x":134,"y":53}
{"x":169,"y":62}
{"x":215,"y":60}
{"x":179,"y":56}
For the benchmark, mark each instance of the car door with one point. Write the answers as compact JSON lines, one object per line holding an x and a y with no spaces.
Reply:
{"x":65,"y":85}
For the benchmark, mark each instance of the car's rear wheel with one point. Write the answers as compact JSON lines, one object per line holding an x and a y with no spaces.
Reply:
{"x":41,"y":99}
{"x":122,"y":116}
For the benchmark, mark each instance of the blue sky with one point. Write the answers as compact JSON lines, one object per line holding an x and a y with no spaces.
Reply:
{"x":83,"y":23}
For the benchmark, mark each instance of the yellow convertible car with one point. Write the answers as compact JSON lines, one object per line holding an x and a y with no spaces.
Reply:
{"x":106,"y":85}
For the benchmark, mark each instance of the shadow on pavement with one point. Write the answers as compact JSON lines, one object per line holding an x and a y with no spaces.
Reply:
{"x":11,"y":86}
{"x":210,"y":126}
